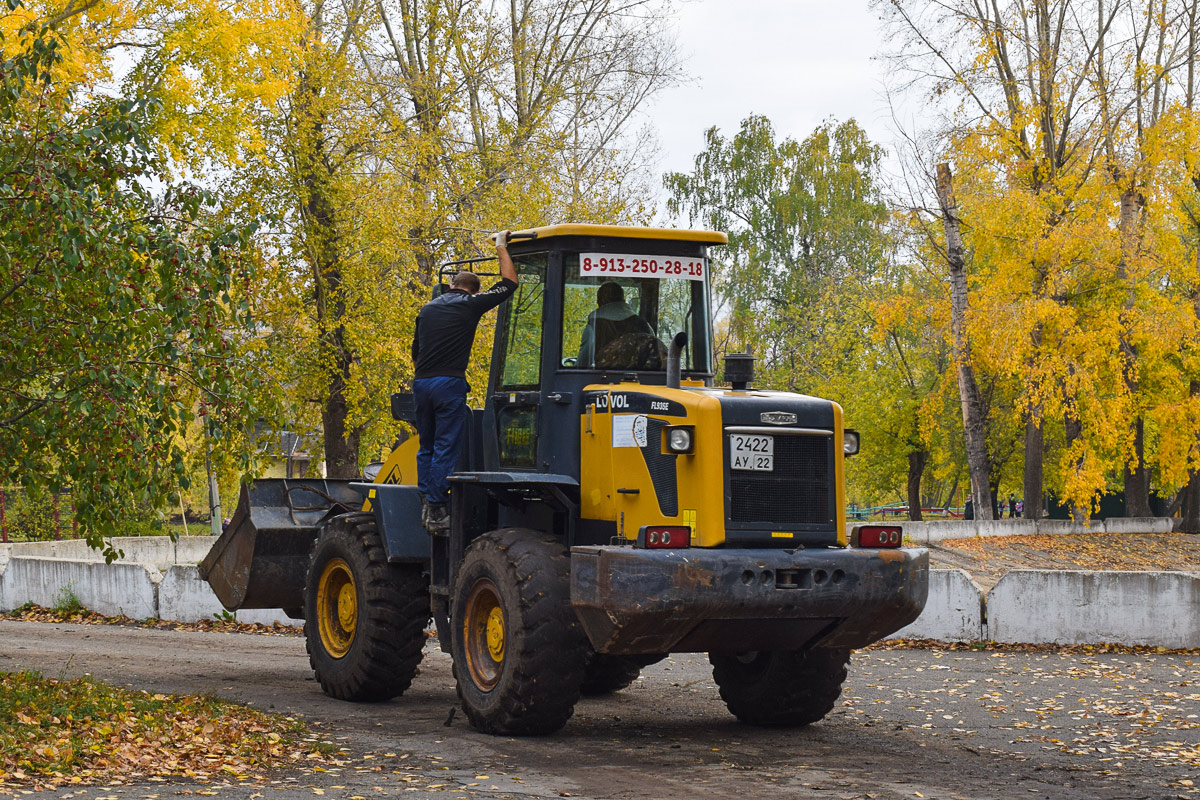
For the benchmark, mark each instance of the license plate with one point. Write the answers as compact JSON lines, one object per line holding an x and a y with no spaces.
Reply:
{"x":754,"y":453}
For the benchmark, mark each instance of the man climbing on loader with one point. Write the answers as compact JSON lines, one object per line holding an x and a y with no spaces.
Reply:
{"x":441,"y":349}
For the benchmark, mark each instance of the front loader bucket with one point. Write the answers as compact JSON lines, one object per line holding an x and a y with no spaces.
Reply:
{"x":261,"y":559}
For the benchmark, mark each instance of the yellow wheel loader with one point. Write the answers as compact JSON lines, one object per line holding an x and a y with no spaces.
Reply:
{"x":611,"y":505}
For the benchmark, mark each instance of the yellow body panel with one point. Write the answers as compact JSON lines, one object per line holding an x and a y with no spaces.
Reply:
{"x":606,"y":469}
{"x":839,"y":460}
{"x":623,"y":232}
{"x":401,"y":464}
{"x":700,"y":479}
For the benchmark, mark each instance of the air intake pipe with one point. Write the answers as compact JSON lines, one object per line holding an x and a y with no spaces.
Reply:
{"x":673,"y":357}
{"x":739,"y":370}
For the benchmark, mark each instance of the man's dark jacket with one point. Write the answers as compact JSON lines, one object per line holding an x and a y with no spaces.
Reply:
{"x":446,"y":329}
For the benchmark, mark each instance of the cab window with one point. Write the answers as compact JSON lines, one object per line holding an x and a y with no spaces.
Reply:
{"x":522,"y":353}
{"x":626,"y":323}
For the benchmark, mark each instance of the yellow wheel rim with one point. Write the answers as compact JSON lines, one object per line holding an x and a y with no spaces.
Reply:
{"x":484,"y":634}
{"x":337,"y":608}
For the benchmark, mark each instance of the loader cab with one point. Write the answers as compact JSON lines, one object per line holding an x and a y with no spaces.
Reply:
{"x":596,"y":305}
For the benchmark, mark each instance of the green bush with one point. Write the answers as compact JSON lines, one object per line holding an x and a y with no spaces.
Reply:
{"x":28,"y":519}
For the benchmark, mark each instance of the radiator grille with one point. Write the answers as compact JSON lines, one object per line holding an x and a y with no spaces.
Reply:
{"x":796,"y":492}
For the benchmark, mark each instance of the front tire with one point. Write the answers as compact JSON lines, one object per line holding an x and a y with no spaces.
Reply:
{"x":518,"y":648}
{"x":364,"y":619}
{"x":780,"y":688}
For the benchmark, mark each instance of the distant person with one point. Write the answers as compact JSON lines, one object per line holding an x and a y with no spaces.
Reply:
{"x":612,"y":319}
{"x":1012,"y":507}
{"x":1021,"y":507}
{"x":969,"y":510}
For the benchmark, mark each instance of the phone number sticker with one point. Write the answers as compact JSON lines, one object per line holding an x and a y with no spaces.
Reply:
{"x":634,"y":266}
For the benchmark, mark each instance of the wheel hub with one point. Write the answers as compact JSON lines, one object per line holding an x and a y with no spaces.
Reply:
{"x":347,"y":607}
{"x":337,"y":608}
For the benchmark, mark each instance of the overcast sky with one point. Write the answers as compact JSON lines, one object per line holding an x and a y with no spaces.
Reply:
{"x":797,"y":62}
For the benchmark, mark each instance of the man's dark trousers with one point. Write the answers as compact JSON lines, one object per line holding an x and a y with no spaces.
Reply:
{"x":441,"y":419}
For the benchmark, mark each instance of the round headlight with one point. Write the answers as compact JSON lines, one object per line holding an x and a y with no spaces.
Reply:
{"x":679,"y":440}
{"x":850,"y":442}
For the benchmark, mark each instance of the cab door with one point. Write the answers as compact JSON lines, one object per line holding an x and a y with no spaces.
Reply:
{"x":516,"y":371}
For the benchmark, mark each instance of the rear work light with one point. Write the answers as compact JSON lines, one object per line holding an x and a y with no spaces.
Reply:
{"x":665,"y":536}
{"x":876,"y":536}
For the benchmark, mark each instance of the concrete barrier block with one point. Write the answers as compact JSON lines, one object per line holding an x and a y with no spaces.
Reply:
{"x":192,"y":549}
{"x":1005,"y":527}
{"x":4,"y":559}
{"x":1138,"y":525}
{"x":1064,"y":527}
{"x":916,"y":532}
{"x":156,"y":551}
{"x":952,"y":529}
{"x":267,"y":616}
{"x":111,"y":589}
{"x":183,"y":596}
{"x":1160,"y":609}
{"x":152,"y":550}
{"x":953,"y":612}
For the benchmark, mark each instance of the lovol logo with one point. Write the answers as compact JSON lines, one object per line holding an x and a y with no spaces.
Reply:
{"x":778,"y":417}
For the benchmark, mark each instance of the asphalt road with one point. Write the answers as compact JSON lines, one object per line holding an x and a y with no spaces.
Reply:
{"x":911,"y":723}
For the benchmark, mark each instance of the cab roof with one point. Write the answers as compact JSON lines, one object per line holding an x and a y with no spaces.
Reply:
{"x":626,"y":232}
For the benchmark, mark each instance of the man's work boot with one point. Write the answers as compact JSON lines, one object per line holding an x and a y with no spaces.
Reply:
{"x":438,"y":522}
{"x":425,"y":512}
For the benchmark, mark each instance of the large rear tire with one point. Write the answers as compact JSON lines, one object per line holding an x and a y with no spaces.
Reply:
{"x":518,"y":648}
{"x":364,"y":619}
{"x":780,"y":688}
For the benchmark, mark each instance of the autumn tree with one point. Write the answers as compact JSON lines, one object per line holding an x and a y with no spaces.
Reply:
{"x":1050,"y":102}
{"x":803,"y":218}
{"x":119,"y":307}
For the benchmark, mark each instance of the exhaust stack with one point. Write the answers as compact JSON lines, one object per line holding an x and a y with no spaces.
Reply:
{"x":673,"y":356}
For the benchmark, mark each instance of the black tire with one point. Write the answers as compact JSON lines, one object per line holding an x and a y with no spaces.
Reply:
{"x":364,"y":619}
{"x":518,"y":648}
{"x":605,"y":674}
{"x":780,"y":688}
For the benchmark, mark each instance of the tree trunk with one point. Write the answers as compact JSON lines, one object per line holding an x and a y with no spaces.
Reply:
{"x":978,"y":462}
{"x":950,"y":495}
{"x":1189,"y":521}
{"x":1136,"y":478}
{"x":1034,"y":449}
{"x":323,"y":249}
{"x":916,"y":466}
{"x":1074,"y":430}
